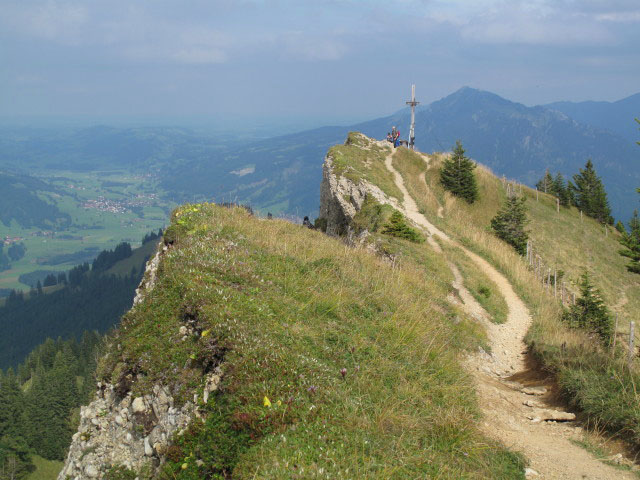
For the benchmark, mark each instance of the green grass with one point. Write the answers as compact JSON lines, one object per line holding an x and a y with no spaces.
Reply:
{"x":138,"y":256}
{"x":90,"y":227}
{"x":361,"y":159}
{"x":287,"y":309}
{"x":600,"y":452}
{"x":592,"y":379}
{"x":481,"y":287}
{"x":45,"y":469}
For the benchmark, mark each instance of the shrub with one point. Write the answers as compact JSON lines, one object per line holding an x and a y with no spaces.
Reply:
{"x":590,"y":313}
{"x":397,"y":227}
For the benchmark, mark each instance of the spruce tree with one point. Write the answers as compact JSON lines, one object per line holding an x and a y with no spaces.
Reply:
{"x":12,"y":406}
{"x":590,"y":312}
{"x":457,"y":175}
{"x":509,"y":222}
{"x":631,"y":241}
{"x":590,"y":195}
{"x":545,"y":184}
{"x":560,"y":190}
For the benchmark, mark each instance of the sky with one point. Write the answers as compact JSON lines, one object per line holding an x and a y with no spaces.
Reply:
{"x":318,"y":59}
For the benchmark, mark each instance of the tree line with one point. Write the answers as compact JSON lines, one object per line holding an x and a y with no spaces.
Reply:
{"x":586,"y":192}
{"x":88,"y":298}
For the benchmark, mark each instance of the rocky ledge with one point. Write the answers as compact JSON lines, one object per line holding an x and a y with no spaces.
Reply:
{"x":119,"y":431}
{"x":341,"y":198}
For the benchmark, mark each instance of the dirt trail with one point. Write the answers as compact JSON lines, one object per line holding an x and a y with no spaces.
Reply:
{"x":515,"y":412}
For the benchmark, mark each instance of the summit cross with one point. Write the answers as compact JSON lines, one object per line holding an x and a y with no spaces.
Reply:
{"x":412,"y":130}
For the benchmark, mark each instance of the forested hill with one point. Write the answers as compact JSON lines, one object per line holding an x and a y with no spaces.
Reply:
{"x":617,"y":117}
{"x":21,"y":203}
{"x":38,"y":401}
{"x":86,"y":298}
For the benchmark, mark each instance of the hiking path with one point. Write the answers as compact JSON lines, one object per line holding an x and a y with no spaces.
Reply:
{"x":518,"y":406}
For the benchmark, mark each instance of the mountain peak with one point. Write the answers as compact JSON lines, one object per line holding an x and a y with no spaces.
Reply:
{"x":471,"y":97}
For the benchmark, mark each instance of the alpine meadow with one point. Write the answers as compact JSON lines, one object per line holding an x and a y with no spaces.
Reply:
{"x":319,"y":240}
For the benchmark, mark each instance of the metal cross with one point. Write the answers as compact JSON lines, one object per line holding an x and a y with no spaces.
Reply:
{"x":413,"y":103}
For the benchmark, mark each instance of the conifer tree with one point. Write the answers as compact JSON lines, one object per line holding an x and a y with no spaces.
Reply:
{"x":631,"y":241}
{"x":545,"y":184}
{"x":457,"y":175}
{"x":509,"y":222}
{"x":12,"y":406}
{"x":590,"y":312}
{"x":560,"y":190}
{"x":590,"y":195}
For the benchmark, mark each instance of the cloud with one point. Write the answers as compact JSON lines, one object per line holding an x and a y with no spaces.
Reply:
{"x":301,"y":46}
{"x":51,"y":19}
{"x":195,"y":46}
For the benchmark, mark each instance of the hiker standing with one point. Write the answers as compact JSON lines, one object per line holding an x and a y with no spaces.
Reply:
{"x":396,"y":139}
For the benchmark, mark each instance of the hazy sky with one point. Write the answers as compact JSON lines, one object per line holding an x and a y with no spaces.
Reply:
{"x":324,"y":58}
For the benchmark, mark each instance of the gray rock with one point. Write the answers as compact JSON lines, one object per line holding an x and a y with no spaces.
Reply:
{"x":148,"y":451}
{"x":91,"y":471}
{"x":534,"y":390}
{"x":138,"y":405}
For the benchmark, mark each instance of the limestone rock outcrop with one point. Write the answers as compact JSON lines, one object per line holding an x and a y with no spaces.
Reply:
{"x":341,"y":198}
{"x":120,"y":430}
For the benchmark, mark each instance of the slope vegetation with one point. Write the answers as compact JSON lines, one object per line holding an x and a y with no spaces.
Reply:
{"x":592,"y":376}
{"x":336,"y":363}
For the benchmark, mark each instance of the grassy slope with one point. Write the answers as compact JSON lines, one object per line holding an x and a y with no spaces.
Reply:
{"x":45,"y":469}
{"x":288,"y":308}
{"x":594,"y":380}
{"x":138,"y":256}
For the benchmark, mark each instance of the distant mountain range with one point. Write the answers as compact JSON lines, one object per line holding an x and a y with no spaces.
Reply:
{"x":521,"y":142}
{"x":281,"y":174}
{"x":617,"y":117}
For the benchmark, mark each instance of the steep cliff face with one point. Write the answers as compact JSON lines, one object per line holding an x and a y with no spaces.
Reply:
{"x":120,"y":431}
{"x":342,"y":195}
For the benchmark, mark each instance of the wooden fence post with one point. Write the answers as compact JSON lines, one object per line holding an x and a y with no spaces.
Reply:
{"x":632,"y":352}
{"x":580,"y":216}
{"x":558,"y":205}
{"x":548,"y":278}
{"x":562,"y":294}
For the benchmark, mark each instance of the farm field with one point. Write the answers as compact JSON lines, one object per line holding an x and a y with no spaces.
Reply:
{"x":105,"y":207}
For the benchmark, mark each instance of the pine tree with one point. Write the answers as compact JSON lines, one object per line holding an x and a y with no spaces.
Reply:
{"x":590,"y":312}
{"x":457,"y":175}
{"x":509,"y":222}
{"x":590,"y":195}
{"x":631,"y":241}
